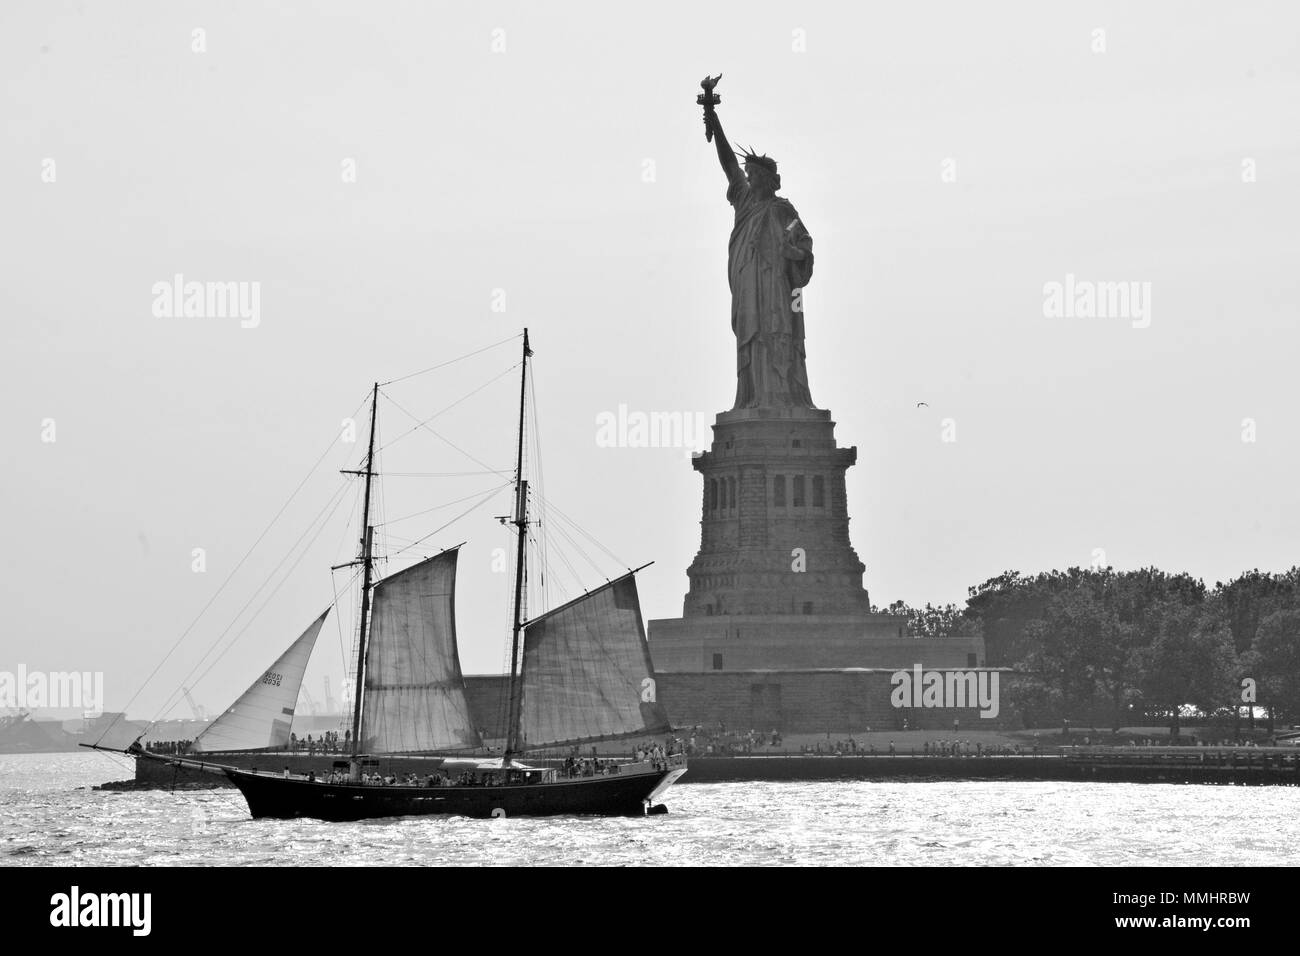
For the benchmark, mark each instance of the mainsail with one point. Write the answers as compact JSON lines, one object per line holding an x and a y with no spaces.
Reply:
{"x":586,"y":672}
{"x":262,"y":715}
{"x":414,"y":697}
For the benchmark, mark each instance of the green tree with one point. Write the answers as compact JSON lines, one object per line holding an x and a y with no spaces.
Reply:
{"x":1191,"y":661}
{"x":1251,"y":597}
{"x":1277,"y":659}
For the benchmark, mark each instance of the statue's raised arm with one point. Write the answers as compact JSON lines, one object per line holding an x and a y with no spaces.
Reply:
{"x":713,"y":126}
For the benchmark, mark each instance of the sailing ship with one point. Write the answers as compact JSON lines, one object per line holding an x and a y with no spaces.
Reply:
{"x":579,"y":674}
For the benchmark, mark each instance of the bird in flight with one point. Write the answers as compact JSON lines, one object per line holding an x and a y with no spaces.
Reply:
{"x":922,"y":404}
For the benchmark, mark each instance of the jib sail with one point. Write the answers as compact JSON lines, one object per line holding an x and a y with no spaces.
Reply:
{"x":263,"y":714}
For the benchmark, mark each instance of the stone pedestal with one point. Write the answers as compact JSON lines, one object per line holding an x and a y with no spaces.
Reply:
{"x":775,"y":527}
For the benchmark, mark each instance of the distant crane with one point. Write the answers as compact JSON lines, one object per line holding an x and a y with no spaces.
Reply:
{"x":312,"y":708}
{"x":329,"y":696}
{"x":199,"y":712}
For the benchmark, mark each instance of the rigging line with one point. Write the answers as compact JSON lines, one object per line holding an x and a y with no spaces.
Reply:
{"x":398,"y":539}
{"x":583,"y":554}
{"x":590,"y":537}
{"x":484,"y":500}
{"x":338,"y":617}
{"x":558,"y":583}
{"x":448,"y":441}
{"x":393,"y":381}
{"x":573,"y":544}
{"x":503,"y":700}
{"x":336,"y":498}
{"x":445,"y":474}
{"x":378,"y":552}
{"x":230,"y":576}
{"x":445,"y":504}
{"x":347,"y":527}
{"x":586,"y":534}
{"x":221,"y":793}
{"x":256,"y":614}
{"x":542,"y":525}
{"x":174,"y":701}
{"x":543,"y":549}
{"x":447,"y":408}
{"x":565,"y":565}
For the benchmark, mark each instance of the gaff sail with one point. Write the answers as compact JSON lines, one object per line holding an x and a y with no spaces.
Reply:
{"x":414,"y":699}
{"x":261,"y":717}
{"x":587,"y":674}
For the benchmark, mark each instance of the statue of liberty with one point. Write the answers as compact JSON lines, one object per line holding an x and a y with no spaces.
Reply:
{"x":769,"y":260}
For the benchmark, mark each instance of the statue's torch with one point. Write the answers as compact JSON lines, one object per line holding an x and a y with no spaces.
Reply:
{"x":708,"y":99}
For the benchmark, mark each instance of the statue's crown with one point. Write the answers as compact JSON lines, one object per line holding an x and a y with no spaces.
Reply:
{"x":762,"y":160}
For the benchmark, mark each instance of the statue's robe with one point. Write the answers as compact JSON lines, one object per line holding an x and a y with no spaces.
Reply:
{"x":766,"y":316}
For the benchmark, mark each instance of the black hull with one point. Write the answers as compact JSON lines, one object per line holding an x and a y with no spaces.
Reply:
{"x":623,"y":794}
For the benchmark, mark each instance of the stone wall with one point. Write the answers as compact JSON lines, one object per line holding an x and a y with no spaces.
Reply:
{"x":838,"y":702}
{"x":792,"y":701}
{"x":793,"y":641}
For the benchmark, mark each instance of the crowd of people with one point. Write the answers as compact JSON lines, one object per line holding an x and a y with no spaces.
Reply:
{"x":1185,"y":740}
{"x":330,"y":742}
{"x":965,"y":748}
{"x":838,"y":748}
{"x":705,"y":742}
{"x":574,"y":767}
{"x":652,"y":752}
{"x":170,"y":747}
{"x":410,"y":779}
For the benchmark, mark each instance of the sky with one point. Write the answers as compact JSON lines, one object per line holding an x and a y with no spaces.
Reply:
{"x":407,"y":183}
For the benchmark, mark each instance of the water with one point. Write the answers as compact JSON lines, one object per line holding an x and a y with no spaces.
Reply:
{"x":46,"y":820}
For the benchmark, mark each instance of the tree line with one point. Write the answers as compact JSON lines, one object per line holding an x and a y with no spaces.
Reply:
{"x":1133,"y":644}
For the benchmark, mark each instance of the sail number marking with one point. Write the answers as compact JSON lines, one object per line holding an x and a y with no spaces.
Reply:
{"x":272,"y":678}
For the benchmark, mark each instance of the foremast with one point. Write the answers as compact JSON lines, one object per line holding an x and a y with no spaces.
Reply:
{"x":367,"y":571}
{"x":521,"y":530}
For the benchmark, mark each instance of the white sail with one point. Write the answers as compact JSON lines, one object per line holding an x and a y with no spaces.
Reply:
{"x":262,"y":715}
{"x":414,"y":698}
{"x":587,"y":674}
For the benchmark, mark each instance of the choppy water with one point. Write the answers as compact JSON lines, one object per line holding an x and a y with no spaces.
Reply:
{"x":46,"y":820}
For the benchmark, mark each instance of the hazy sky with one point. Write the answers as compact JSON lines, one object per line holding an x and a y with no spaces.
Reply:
{"x":555,"y":152}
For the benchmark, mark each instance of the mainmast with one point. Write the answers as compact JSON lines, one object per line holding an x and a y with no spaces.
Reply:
{"x":521,"y":526}
{"x":367,"y":567}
